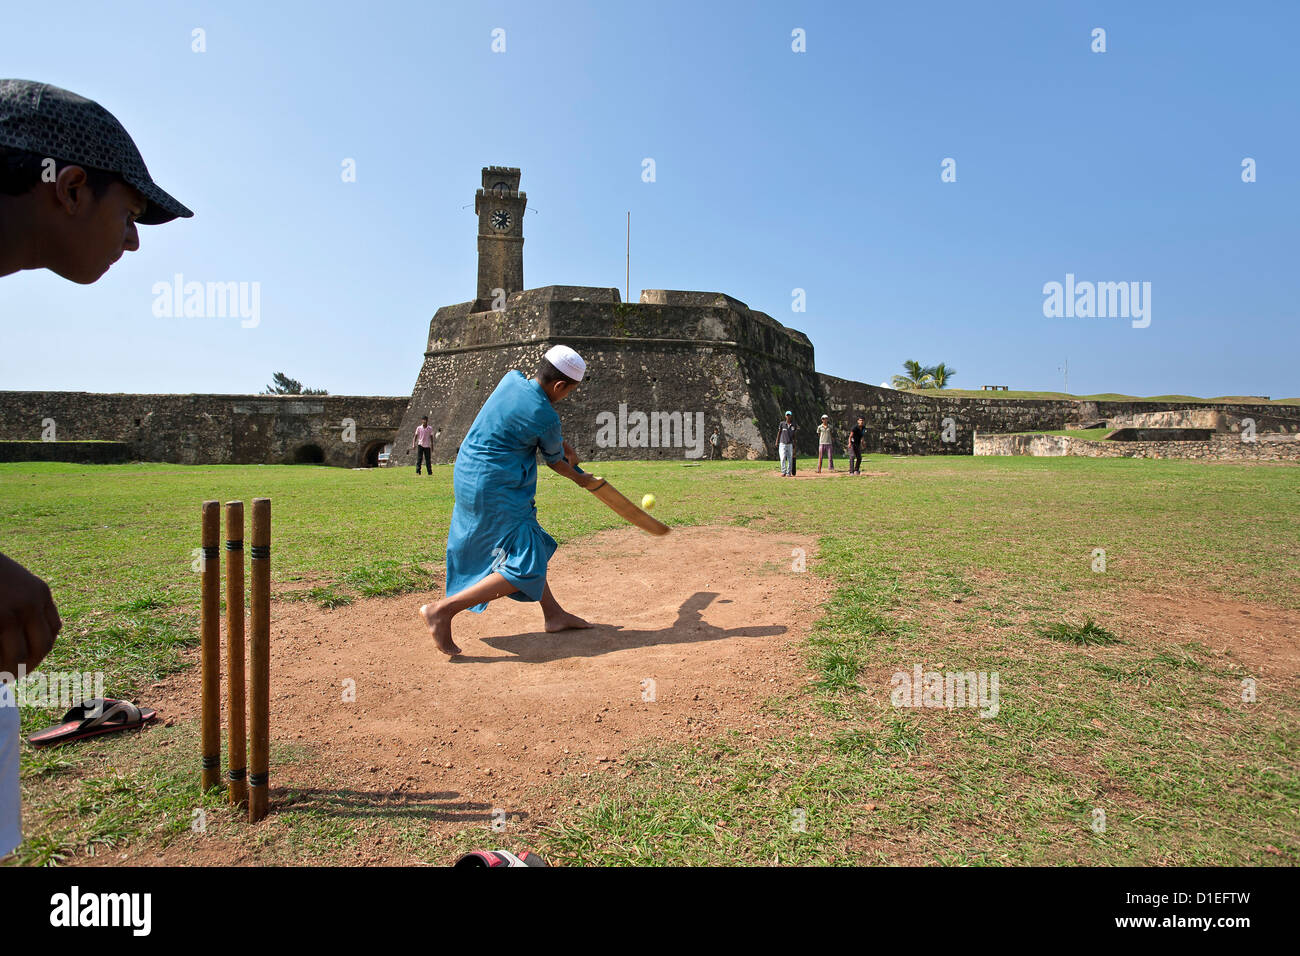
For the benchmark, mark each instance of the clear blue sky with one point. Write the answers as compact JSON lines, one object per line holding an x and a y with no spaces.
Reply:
{"x":775,"y":171}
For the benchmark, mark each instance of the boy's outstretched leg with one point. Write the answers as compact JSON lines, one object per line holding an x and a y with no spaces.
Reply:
{"x":557,"y":618}
{"x":438,"y":615}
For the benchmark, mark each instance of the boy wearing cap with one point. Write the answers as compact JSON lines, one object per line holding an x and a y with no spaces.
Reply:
{"x":72,"y":188}
{"x":825,"y":446}
{"x":74,"y":184}
{"x":495,"y":547}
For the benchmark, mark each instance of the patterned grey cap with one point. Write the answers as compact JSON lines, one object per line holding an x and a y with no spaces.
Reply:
{"x":49,"y":121}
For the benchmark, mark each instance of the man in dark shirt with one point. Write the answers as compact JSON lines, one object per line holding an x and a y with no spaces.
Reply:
{"x":855,"y":446}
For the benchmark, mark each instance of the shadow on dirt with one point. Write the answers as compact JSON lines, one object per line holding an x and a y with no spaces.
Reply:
{"x":444,"y":805}
{"x":689,"y":628}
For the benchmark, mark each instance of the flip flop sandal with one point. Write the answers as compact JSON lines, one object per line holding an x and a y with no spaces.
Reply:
{"x":91,"y":718}
{"x":494,"y":858}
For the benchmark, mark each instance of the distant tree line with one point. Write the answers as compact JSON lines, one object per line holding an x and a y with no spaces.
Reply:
{"x":284,"y":385}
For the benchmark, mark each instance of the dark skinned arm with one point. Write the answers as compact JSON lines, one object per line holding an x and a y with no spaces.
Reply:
{"x":28,"y":620}
{"x":568,"y":467}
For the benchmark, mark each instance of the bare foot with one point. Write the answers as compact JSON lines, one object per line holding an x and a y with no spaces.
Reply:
{"x":565,"y":622}
{"x":440,"y":628}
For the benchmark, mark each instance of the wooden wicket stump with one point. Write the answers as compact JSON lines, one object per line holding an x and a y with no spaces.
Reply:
{"x":210,"y":644}
{"x":237,"y":761}
{"x":259,"y":660}
{"x":249,"y":704}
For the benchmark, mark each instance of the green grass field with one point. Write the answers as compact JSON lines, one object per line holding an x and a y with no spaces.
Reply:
{"x":972,"y":563}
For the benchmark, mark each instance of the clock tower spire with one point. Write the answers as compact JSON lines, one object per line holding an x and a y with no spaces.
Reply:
{"x":500,"y":208}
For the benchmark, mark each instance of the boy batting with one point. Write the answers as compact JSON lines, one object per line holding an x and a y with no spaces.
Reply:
{"x":495,"y":547}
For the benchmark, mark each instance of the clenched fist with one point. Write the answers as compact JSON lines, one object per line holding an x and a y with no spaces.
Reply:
{"x":28,"y":620}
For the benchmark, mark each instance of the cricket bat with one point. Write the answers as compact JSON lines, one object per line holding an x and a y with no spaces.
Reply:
{"x":622,"y":507}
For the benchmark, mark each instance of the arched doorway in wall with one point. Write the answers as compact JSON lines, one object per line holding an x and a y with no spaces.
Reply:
{"x":375,"y":454}
{"x":308,"y":455}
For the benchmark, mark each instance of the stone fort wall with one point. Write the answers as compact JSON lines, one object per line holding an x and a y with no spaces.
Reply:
{"x":79,"y":452}
{"x":912,"y":423}
{"x":210,"y":429}
{"x":1218,"y":448}
{"x":700,"y":357}
{"x":643,"y":376}
{"x":681,"y":359}
{"x":647,"y":376}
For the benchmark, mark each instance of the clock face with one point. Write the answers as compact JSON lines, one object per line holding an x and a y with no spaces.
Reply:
{"x":500,"y":220}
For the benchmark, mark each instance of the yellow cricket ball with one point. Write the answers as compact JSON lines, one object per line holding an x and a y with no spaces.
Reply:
{"x":648,"y":503}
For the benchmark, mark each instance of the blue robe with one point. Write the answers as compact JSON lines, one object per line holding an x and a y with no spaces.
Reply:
{"x":494,"y":524}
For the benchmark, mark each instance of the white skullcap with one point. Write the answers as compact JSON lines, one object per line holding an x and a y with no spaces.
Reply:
{"x":567,"y":361}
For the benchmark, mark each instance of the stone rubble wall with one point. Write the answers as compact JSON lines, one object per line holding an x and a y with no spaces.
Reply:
{"x":1265,"y":419}
{"x":698,"y":354}
{"x":1216,"y":421}
{"x":673,"y":353}
{"x":80,"y":452}
{"x":207,"y":429}
{"x":913,"y":423}
{"x":1218,"y":448}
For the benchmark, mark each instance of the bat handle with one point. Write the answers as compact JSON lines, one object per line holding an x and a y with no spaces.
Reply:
{"x":581,"y":472}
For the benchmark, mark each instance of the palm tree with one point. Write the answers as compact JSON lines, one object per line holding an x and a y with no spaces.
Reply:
{"x":923,"y":376}
{"x":941,"y":374}
{"x":917,"y":376}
